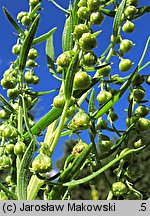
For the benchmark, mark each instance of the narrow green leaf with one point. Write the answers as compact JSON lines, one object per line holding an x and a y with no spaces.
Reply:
{"x":34,"y":11}
{"x":9,"y":194}
{"x":44,"y":37}
{"x":141,"y":11}
{"x":72,"y":69}
{"x":27,"y":44}
{"x":100,"y":171}
{"x":12,"y":21}
{"x":68,"y":174}
{"x":50,"y":54}
{"x":108,"y":12}
{"x":24,"y":171}
{"x":75,"y":9}
{"x":115,"y":146}
{"x":91,"y":106}
{"x":116,"y":96}
{"x":117,"y":19}
{"x":44,"y":122}
{"x":7,"y":105}
{"x":67,"y":36}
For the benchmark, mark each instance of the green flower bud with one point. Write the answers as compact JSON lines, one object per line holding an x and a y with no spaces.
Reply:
{"x":80,"y":30}
{"x":101,"y":124}
{"x":64,"y":59}
{"x":138,"y":94}
{"x":89,"y":59}
{"x":103,"y":96}
{"x":78,"y":148}
{"x":104,"y":71}
{"x":128,"y":27}
{"x":87,"y":41}
{"x":143,"y":124}
{"x":81,"y":80}
{"x":41,"y":164}
{"x":12,"y":93}
{"x":96,"y":18}
{"x":125,"y":64}
{"x":59,"y":101}
{"x":119,"y":189}
{"x":80,"y":121}
{"x":26,"y":20}
{"x":33,"y":54}
{"x":20,"y":148}
{"x":16,"y":49}
{"x":83,"y":13}
{"x":5,"y":162}
{"x":142,"y":111}
{"x":130,"y":11}
{"x":82,"y":3}
{"x":8,"y":82}
{"x":93,"y":5}
{"x":31,"y":63}
{"x":21,"y":15}
{"x":126,"y":45}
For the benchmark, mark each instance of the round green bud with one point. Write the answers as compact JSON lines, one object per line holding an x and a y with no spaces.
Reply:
{"x":138,"y":94}
{"x":133,"y":172}
{"x":20,"y":148}
{"x":87,"y":42}
{"x":33,"y":2}
{"x":26,"y":20}
{"x":89,"y":59}
{"x":148,"y":80}
{"x":5,"y":162}
{"x":28,"y":77}
{"x":31,"y":63}
{"x":103,"y":96}
{"x":130,"y":11}
{"x":64,"y":59}
{"x":93,"y":5}
{"x":4,"y":114}
{"x":82,"y":3}
{"x":12,"y":93}
{"x":119,"y":189}
{"x":83,"y":13}
{"x":21,"y":15}
{"x":143,"y":124}
{"x":101,"y":124}
{"x":81,"y":80}
{"x":104,"y":71}
{"x":125,"y":65}
{"x":96,"y":18}
{"x":80,"y":121}
{"x":8,"y":82}
{"x":16,"y":49}
{"x":138,"y":80}
{"x":59,"y":101}
{"x":142,"y":111}
{"x":126,"y":45}
{"x":80,"y":30}
{"x":132,"y":2}
{"x":41,"y":164}
{"x":33,"y":54}
{"x":128,"y":27}
{"x":78,"y":148}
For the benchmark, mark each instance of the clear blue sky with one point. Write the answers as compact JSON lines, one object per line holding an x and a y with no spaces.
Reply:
{"x":51,"y":17}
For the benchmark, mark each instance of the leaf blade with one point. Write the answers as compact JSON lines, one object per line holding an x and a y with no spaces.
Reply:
{"x":12,"y":21}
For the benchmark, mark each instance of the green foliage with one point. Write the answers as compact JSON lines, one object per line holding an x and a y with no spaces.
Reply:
{"x":88,"y":92}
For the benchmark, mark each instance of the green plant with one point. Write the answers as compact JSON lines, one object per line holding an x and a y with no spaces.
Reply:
{"x":80,"y":70}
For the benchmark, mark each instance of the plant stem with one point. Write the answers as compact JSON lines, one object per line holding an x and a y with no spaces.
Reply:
{"x":60,"y":127}
{"x":33,"y":187}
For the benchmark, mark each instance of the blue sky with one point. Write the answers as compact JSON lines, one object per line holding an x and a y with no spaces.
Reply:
{"x":53,"y":17}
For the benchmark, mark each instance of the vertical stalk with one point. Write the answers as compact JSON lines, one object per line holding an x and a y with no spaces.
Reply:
{"x":60,"y":127}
